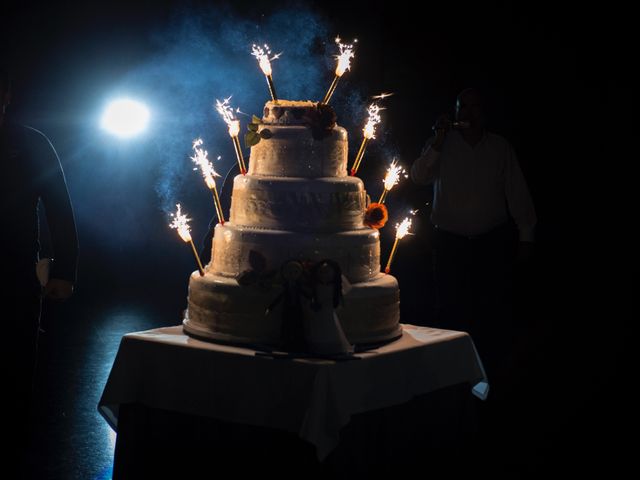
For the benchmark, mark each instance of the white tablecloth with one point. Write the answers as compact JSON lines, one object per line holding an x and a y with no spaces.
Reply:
{"x":166,"y":369}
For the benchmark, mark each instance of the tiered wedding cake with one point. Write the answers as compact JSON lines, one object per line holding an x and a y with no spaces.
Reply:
{"x":295,"y":204}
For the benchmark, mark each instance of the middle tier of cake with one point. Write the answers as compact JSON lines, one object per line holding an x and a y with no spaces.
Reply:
{"x":326,"y":204}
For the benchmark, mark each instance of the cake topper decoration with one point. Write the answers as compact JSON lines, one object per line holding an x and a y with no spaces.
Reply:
{"x":181,"y":224}
{"x":226,"y":111}
{"x":344,"y":64}
{"x":262,"y":54}
{"x":208,"y":172}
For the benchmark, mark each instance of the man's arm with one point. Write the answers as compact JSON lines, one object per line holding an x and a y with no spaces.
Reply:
{"x":519,"y":199}
{"x":59,"y":212}
{"x":425,"y":168}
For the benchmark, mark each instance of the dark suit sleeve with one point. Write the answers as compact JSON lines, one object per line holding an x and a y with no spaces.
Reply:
{"x":53,"y":193}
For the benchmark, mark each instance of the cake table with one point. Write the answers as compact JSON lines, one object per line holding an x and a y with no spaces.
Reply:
{"x":164,"y":370}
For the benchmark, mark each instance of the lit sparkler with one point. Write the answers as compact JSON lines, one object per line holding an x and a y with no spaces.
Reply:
{"x":369,"y":131}
{"x":208,"y":172}
{"x":262,"y":54}
{"x":382,"y":96}
{"x":181,"y":224}
{"x":392,"y":178}
{"x":401,"y":230}
{"x":344,"y":63}
{"x":225,"y":109}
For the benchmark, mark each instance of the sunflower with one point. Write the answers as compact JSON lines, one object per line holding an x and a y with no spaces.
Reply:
{"x":376,"y":216}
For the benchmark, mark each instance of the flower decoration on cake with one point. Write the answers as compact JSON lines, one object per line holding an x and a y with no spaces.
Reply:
{"x":322,"y":120}
{"x":253,"y":135}
{"x":376,"y":216}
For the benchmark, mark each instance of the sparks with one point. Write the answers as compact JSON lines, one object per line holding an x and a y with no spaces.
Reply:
{"x":201,"y":160}
{"x":403,"y":228}
{"x":382,"y":96}
{"x":181,"y":224}
{"x":262,"y":54}
{"x":344,"y":64}
{"x":392,"y":178}
{"x":208,"y":172}
{"x":369,"y":129}
{"x":226,"y":111}
{"x":344,"y":58}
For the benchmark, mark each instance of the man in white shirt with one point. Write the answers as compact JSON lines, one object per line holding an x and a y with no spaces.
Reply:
{"x":479,"y":189}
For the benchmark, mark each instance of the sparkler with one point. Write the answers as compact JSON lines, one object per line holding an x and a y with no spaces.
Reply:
{"x":401,"y":230}
{"x":344,"y":63}
{"x":391,"y":179}
{"x":369,"y":133}
{"x":382,"y":96}
{"x":262,"y":54}
{"x":181,"y":224}
{"x":208,"y":172}
{"x":224,"y":109}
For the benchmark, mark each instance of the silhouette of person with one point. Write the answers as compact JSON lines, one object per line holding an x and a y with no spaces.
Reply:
{"x":31,"y":176}
{"x":479,"y":192}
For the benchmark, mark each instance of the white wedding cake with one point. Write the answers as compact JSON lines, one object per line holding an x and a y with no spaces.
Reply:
{"x":294,"y":208}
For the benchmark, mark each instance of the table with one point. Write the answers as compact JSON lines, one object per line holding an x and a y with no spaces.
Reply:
{"x":171,"y":374}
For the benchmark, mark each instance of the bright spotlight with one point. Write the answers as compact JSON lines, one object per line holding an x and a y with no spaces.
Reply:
{"x":125,"y":118}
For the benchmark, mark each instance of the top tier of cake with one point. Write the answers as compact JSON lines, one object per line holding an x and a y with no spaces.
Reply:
{"x":298,"y":112}
{"x":299,"y":139}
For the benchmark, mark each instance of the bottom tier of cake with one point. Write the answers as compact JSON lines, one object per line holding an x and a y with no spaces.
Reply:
{"x":220,"y":309}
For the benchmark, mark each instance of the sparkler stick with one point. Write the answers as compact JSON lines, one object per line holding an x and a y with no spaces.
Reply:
{"x":391,"y":179}
{"x":369,"y":133}
{"x":332,"y":88}
{"x":401,"y":231}
{"x":238,"y":149}
{"x":208,"y":172}
{"x":265,"y":65}
{"x":195,"y":254}
{"x":181,"y":224}
{"x":344,"y":63}
{"x":226,"y":111}
{"x":383,"y":196}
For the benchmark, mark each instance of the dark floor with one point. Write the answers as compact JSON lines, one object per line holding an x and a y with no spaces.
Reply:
{"x":563,"y":406}
{"x":78,"y":344}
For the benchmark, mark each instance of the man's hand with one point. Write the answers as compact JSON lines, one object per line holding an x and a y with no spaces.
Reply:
{"x":58,"y":289}
{"x":441,"y":127}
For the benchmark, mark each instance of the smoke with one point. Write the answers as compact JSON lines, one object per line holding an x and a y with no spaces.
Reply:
{"x":205,"y":56}
{"x":127,"y":189}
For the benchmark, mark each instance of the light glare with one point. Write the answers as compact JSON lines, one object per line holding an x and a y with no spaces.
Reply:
{"x":125,"y":118}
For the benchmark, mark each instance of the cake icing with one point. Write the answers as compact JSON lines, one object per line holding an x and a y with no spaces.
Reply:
{"x":296,"y":206}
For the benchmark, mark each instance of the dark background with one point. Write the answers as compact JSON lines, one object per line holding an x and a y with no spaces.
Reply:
{"x":554,"y":79}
